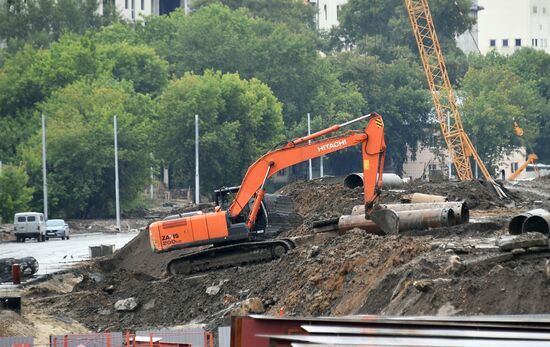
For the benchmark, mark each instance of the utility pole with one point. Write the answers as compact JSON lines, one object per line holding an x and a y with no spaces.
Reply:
{"x":197,"y":186}
{"x":186,"y":6}
{"x":151,"y":188}
{"x":309,"y":142}
{"x":44,"y":178}
{"x":321,"y":169}
{"x":117,"y":198}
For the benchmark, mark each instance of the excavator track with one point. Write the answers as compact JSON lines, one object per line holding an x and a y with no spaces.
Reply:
{"x":230,"y":255}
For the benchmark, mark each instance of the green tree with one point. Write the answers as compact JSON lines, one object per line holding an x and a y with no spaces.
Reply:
{"x":40,"y":22}
{"x":295,"y":13}
{"x":493,"y":97}
{"x":80,"y":147}
{"x":239,"y":121}
{"x":396,"y":91}
{"x":388,"y":19}
{"x":136,"y":63}
{"x":534,"y":66}
{"x":216,"y":37}
{"x":31,"y":75}
{"x":15,"y":195}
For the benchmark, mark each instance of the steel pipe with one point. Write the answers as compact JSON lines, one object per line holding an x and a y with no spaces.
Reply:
{"x":394,"y":222}
{"x":517,"y":223}
{"x":460,"y":209}
{"x":390,"y":180}
{"x":538,"y":222}
{"x":419,"y":197}
{"x":348,"y":222}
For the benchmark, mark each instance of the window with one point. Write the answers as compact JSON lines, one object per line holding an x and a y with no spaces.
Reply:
{"x":536,"y":42}
{"x":337,"y":11}
{"x":21,"y":219}
{"x":534,"y":9}
{"x":41,"y":218}
{"x":282,"y":172}
{"x":325,"y":8}
{"x":544,"y":10}
{"x":518,"y":42}
{"x":31,"y":219}
{"x":432,"y":167}
{"x":513,"y":167}
{"x":492,"y":43}
{"x":142,"y":5}
{"x":505,"y":43}
{"x":126,"y":4}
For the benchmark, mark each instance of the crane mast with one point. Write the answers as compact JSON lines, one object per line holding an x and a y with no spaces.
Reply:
{"x":459,"y":144}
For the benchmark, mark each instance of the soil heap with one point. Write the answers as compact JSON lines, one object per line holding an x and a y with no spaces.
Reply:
{"x":330,"y":274}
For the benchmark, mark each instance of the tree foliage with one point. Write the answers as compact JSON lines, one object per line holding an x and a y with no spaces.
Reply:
{"x":218,"y":38}
{"x":495,"y":96}
{"x":40,"y":22}
{"x":295,"y":13}
{"x":15,"y":195}
{"x":388,"y":19}
{"x":239,"y":121}
{"x":397,"y":92}
{"x":80,"y":147}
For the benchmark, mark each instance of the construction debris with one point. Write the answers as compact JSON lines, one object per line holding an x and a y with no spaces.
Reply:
{"x":129,"y":304}
{"x":455,"y":269}
{"x":507,"y":243}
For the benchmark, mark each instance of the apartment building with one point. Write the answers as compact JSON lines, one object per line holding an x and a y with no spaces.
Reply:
{"x":134,"y":9}
{"x":507,"y":25}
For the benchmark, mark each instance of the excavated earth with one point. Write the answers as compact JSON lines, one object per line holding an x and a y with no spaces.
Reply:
{"x":327,"y":273}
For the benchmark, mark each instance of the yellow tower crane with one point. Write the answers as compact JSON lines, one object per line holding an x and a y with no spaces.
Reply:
{"x":459,"y":144}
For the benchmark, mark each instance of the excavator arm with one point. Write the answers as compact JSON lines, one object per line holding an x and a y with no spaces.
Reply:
{"x":373,"y":149}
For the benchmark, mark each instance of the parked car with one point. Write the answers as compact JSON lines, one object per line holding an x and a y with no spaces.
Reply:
{"x":29,"y":225}
{"x":57,"y":228}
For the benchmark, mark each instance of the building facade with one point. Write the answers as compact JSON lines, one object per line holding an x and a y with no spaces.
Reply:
{"x":507,"y":25}
{"x":328,"y":12}
{"x":132,"y":10}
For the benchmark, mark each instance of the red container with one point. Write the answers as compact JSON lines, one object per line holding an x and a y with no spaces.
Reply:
{"x":16,"y":273}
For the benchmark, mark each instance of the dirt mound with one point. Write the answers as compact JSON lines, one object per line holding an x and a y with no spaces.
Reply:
{"x":476,"y":194}
{"x":426,"y":286}
{"x":333,"y":276}
{"x":137,"y":256}
{"x":326,"y":274}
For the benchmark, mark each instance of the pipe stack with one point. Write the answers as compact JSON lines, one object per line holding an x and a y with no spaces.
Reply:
{"x":537,"y":220}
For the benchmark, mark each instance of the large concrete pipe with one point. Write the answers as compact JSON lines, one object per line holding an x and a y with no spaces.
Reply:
{"x":539,"y":221}
{"x":420,"y":198}
{"x":348,"y":222}
{"x":390,"y":180}
{"x":393,"y":222}
{"x":517,"y":223}
{"x":460,"y":209}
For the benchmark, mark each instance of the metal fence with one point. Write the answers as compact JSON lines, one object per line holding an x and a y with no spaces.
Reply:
{"x":224,"y":336}
{"x":11,"y":341}
{"x":193,"y":336}
{"x":159,"y":338}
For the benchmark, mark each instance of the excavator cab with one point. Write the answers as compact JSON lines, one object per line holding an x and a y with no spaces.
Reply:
{"x":223,"y":198}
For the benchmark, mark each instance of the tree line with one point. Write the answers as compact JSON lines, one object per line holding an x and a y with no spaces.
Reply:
{"x":251,"y":69}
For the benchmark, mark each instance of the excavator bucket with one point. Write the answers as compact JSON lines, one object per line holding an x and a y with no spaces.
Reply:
{"x":387,"y":220}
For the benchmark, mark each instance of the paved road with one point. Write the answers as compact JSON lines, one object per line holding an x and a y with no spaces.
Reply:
{"x":56,"y":254}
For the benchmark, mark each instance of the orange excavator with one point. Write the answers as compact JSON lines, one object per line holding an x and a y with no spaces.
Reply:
{"x":238,"y":235}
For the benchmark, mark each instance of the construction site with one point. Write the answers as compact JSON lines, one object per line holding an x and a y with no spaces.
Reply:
{"x":469,"y":269}
{"x":458,"y":256}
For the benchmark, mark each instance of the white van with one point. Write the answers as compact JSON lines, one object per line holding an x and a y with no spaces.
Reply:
{"x":29,"y":225}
